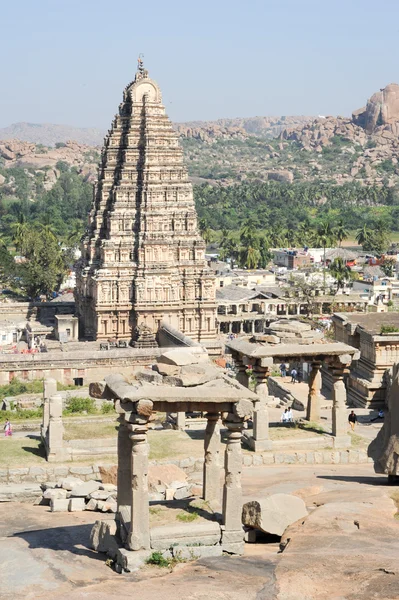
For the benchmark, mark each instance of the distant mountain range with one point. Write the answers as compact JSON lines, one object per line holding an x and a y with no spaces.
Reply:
{"x":49,"y":134}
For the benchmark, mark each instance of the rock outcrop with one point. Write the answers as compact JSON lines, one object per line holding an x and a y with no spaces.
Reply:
{"x":273,"y":514}
{"x":382,"y":109}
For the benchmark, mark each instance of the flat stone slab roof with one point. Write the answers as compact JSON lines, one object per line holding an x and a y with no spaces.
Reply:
{"x":291,"y":350}
{"x":370,"y":322}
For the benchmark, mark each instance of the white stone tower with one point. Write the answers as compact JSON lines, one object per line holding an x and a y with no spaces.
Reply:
{"x":143,"y":259}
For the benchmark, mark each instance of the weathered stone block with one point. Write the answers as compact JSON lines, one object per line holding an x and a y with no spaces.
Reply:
{"x":76,"y":504}
{"x":196,"y":552}
{"x":247,"y":460}
{"x":92,"y":504}
{"x":310,"y":458}
{"x":178,"y":358}
{"x":85,"y":489}
{"x":59,"y":505}
{"x":318,"y":458}
{"x":268,"y":459}
{"x":274,"y":513}
{"x":344,"y":458}
{"x":70,"y":482}
{"x":182,"y":492}
{"x":257,"y":460}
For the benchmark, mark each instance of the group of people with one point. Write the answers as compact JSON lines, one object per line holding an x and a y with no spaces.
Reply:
{"x":296,"y":374}
{"x":287,"y":416}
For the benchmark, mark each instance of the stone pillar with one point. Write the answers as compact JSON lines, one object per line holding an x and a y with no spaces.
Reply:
{"x":124,"y":480}
{"x":242,"y":375}
{"x":261,"y":375}
{"x":49,"y":389}
{"x":181,"y":421}
{"x":313,"y":408}
{"x":232,"y":534}
{"x":139,"y":535}
{"x":211,"y":476}
{"x":54,"y":448}
{"x":339,"y":412}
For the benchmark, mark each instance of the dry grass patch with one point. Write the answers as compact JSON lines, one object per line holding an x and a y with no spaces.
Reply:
{"x":89,"y":430}
{"x":21,"y":452}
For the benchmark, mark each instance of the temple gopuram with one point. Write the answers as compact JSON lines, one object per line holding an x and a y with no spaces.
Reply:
{"x":143,"y":259}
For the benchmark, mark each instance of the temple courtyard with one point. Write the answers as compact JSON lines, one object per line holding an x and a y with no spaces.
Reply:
{"x":346,"y":549}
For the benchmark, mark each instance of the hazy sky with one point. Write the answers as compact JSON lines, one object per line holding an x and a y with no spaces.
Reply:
{"x":67,"y":61}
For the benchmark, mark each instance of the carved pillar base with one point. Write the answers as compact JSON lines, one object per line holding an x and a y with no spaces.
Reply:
{"x":339,"y":410}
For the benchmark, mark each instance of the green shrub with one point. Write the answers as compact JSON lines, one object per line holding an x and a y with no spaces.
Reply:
{"x":107,"y":407}
{"x":21,"y":415}
{"x":156,"y":558}
{"x":80,"y":405}
{"x":187,"y":517}
{"x":17,"y":387}
{"x":388,"y":329}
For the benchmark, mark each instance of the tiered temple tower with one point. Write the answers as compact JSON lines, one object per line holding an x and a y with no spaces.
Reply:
{"x":143,"y":259}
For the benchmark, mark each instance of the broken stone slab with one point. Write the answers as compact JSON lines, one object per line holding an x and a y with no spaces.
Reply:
{"x":103,"y":538}
{"x":274,"y":513}
{"x":177,"y":484}
{"x":186,"y":534}
{"x":108,"y":487}
{"x":165,"y":474}
{"x":59,"y":504}
{"x":76,"y":504}
{"x":54,"y":493}
{"x":168,"y":370}
{"x":131,"y":561}
{"x":70,"y":482}
{"x":196,"y":552}
{"x":178,"y":358}
{"x":199,"y":374}
{"x":85,"y":489}
{"x":149,"y":376}
{"x":48,"y":485}
{"x":99,"y":495}
{"x":182,"y":492}
{"x":92,"y":504}
{"x":109,"y":507}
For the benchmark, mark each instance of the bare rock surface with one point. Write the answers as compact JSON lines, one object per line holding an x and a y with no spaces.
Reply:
{"x":273,"y":514}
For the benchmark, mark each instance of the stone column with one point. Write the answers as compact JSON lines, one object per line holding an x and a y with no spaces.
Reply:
{"x":49,"y":389}
{"x":242,"y":376}
{"x":55,"y":430}
{"x":313,"y":408}
{"x":139,"y":535}
{"x":260,"y":438}
{"x":232,"y":534}
{"x":339,"y":412}
{"x":211,"y":476}
{"x":181,"y":421}
{"x":261,"y":375}
{"x":124,"y":478}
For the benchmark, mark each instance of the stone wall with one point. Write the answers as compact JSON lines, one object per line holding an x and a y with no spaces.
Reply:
{"x":278,"y":390}
{"x":189,"y":465}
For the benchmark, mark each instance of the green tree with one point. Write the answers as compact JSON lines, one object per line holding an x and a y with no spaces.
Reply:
{"x":341,"y":272}
{"x":325,"y":236}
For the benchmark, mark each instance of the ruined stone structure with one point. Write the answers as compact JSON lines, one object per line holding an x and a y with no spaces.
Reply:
{"x":378,"y":352}
{"x":143,"y":259}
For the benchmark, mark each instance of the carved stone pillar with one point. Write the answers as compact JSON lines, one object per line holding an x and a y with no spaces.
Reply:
{"x":55,"y":450}
{"x":313,"y":408}
{"x":261,"y":375}
{"x":242,"y":375}
{"x":124,"y":482}
{"x":139,"y":535}
{"x":50,"y":389}
{"x":211,"y":476}
{"x":233,"y":535}
{"x":339,"y":409}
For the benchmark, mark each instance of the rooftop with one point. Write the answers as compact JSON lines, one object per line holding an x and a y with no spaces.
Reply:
{"x":370,"y":322}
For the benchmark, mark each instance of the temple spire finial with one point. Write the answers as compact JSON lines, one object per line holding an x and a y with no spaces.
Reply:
{"x":141,"y":71}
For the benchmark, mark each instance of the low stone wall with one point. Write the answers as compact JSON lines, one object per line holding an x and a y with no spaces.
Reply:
{"x":189,"y":465}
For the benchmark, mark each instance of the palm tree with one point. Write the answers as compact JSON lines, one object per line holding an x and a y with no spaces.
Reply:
{"x":340,"y":271}
{"x":325,"y":236}
{"x":341,"y":232}
{"x":363,"y":235}
{"x":75,"y":235}
{"x":249,"y":257}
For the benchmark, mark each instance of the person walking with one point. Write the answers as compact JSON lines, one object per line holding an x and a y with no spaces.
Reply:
{"x":352,"y":419}
{"x":284,"y":416}
{"x":294,"y":373}
{"x":7,"y":428}
{"x":283,"y":370}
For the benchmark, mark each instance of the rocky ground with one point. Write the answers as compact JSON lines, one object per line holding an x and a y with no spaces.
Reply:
{"x":345,"y":550}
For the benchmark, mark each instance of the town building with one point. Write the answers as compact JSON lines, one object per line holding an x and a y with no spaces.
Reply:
{"x":143,"y":259}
